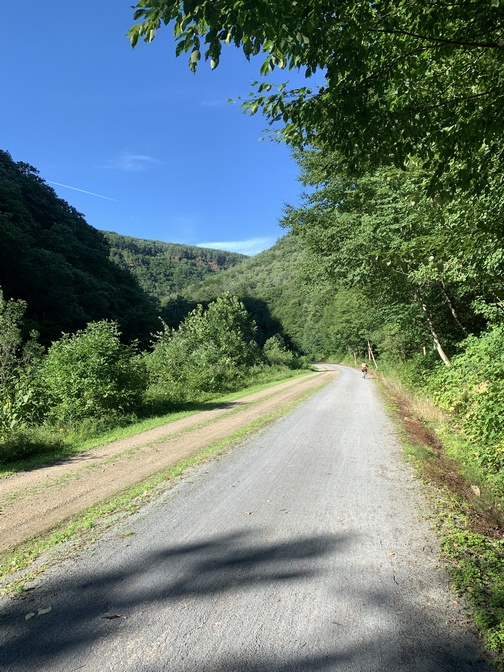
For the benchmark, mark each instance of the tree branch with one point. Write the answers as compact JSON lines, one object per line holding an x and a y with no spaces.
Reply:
{"x":439,"y":40}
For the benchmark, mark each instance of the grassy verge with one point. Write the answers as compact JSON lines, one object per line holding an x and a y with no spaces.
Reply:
{"x":26,"y":562}
{"x":54,"y":446}
{"x":469,"y":516}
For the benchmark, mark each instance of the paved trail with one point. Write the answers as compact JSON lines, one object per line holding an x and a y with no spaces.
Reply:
{"x":304,"y":549}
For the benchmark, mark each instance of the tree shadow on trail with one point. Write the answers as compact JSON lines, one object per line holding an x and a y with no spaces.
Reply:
{"x":82,"y":606}
{"x":94,"y":610}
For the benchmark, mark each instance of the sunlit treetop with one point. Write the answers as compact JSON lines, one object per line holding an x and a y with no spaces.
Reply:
{"x":400,"y":78}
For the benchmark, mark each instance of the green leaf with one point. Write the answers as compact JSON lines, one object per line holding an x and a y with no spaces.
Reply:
{"x":395,"y":74}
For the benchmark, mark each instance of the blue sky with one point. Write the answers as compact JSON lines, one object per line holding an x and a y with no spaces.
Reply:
{"x":161,"y":152}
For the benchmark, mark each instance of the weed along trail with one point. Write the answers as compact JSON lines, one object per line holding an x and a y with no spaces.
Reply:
{"x":34,"y":502}
{"x":303,"y":549}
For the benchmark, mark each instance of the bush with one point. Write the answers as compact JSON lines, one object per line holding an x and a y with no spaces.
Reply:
{"x":472,"y":389}
{"x":278,"y":354}
{"x":91,"y":374}
{"x":210,"y":352}
{"x":20,"y":404}
{"x":18,"y":398}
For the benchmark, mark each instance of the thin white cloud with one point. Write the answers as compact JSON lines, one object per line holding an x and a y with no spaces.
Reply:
{"x":213,"y":103}
{"x":91,"y":193}
{"x":251,"y":247}
{"x":131,"y":162}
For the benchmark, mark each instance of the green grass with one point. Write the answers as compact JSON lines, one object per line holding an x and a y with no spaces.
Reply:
{"x":475,"y":563}
{"x":23,"y":564}
{"x":468,"y":526}
{"x":52,"y":446}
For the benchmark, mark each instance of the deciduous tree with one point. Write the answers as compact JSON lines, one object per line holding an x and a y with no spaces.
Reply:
{"x":383,"y":234}
{"x":397,"y":78}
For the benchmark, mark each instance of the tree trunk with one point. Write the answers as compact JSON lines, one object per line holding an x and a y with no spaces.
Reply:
{"x":499,"y":303}
{"x":434,"y":335}
{"x":452,"y":309}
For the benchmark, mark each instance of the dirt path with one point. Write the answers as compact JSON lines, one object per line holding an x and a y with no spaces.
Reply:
{"x":305,"y":549}
{"x":34,"y":502}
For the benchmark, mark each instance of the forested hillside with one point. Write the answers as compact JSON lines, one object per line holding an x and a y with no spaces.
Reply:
{"x":82,"y":347}
{"x":52,"y":259}
{"x":428,"y":271}
{"x":269,"y":284}
{"x":164,"y":269}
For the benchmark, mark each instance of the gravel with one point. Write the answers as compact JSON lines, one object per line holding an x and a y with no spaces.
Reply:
{"x":305,"y":548}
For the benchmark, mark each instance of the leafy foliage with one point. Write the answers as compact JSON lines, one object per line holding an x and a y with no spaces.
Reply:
{"x":424,"y":266}
{"x":91,"y":374}
{"x":18,"y":402}
{"x":400,"y":79}
{"x":472,"y":389}
{"x":277,"y":353}
{"x":210,"y":351}
{"x":11,"y":315}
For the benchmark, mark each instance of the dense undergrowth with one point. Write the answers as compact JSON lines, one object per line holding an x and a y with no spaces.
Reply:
{"x":89,"y":383}
{"x":470,"y":392}
{"x":452,"y":444}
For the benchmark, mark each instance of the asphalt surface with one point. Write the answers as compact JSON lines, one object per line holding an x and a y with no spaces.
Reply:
{"x":303,"y":549}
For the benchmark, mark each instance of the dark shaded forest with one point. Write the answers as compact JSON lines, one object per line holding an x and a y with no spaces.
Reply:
{"x":54,"y":260}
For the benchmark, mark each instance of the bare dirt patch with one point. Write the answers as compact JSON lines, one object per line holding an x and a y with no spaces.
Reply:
{"x":34,"y":502}
{"x":443,"y":472}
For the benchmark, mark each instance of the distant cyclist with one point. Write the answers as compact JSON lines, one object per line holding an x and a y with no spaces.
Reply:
{"x":363,"y":369}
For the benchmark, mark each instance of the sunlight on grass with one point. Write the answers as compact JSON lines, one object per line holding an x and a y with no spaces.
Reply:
{"x":23,"y":564}
{"x":469,"y":511}
{"x":57,"y":446}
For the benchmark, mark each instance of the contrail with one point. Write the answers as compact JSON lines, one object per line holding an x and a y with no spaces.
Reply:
{"x":82,"y":190}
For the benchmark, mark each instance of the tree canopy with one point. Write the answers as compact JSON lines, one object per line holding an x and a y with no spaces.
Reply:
{"x":423,"y":264}
{"x":398,"y":79}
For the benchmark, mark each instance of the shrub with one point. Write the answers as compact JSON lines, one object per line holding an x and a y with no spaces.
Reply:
{"x":278,"y":354}
{"x":472,"y":389}
{"x":91,"y":374}
{"x":18,"y":398}
{"x":211,"y":351}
